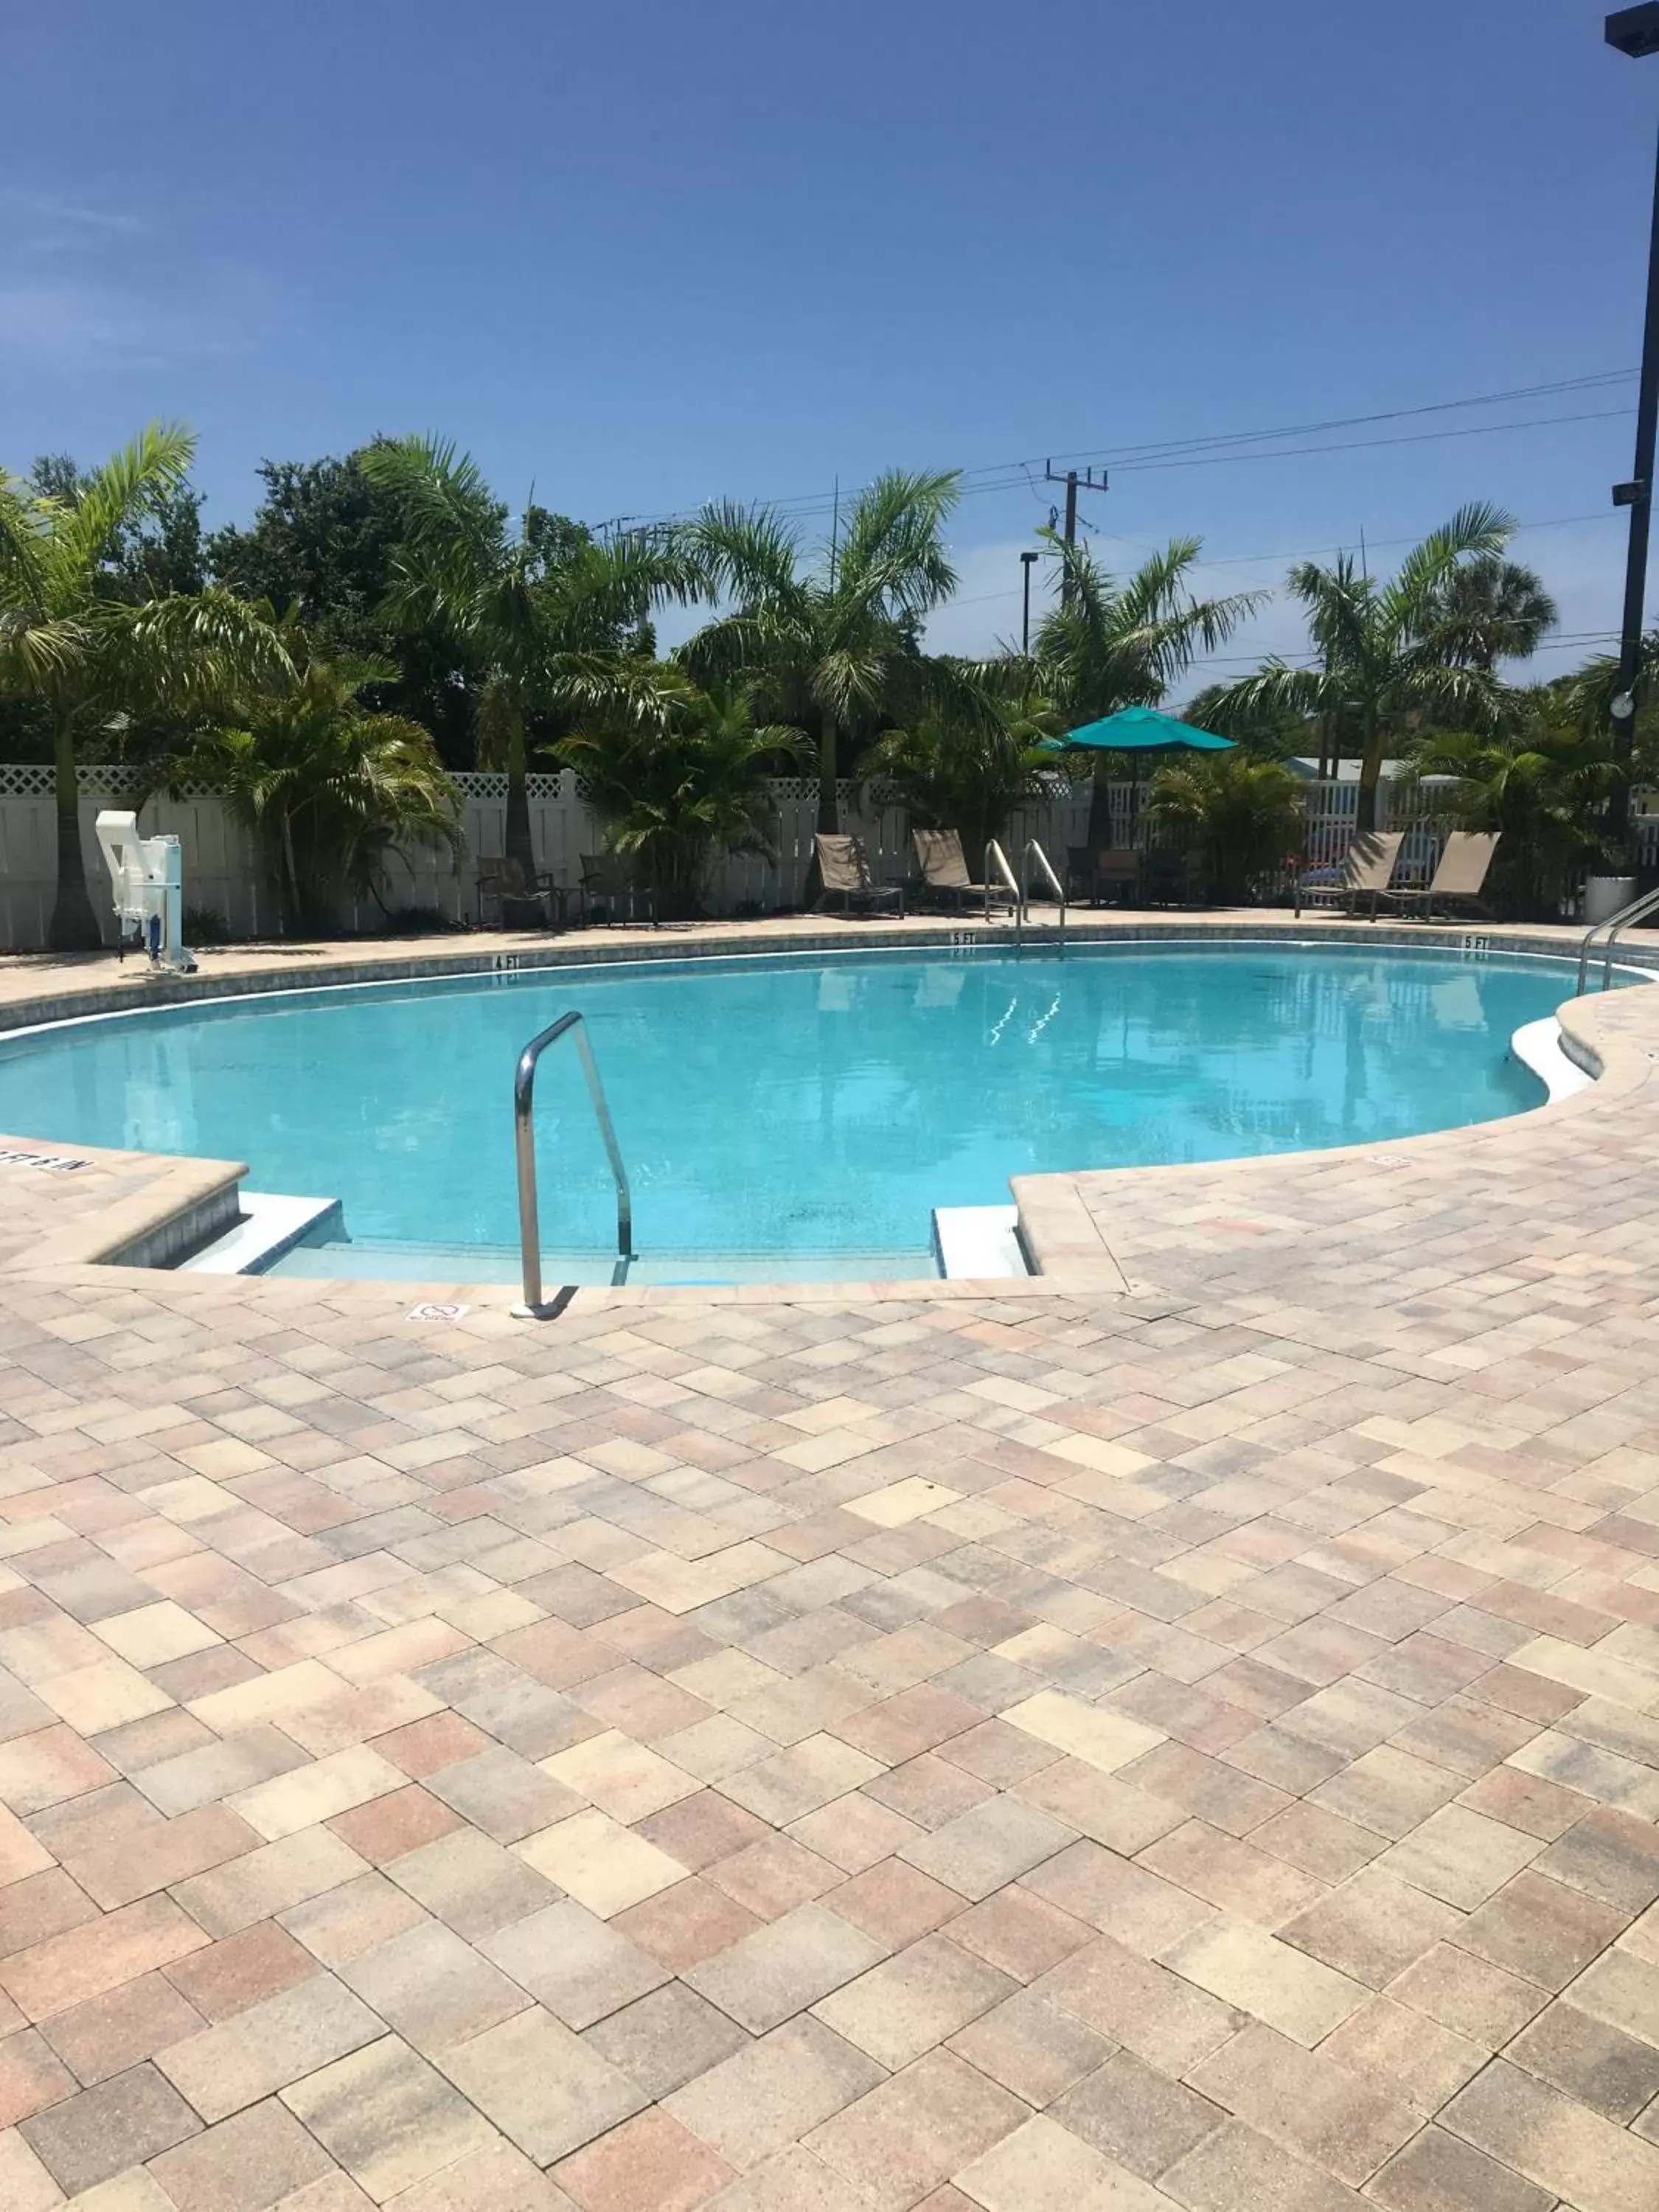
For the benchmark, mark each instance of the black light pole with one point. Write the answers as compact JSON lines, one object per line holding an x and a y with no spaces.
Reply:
{"x":1025,"y":561}
{"x":1635,"y":32}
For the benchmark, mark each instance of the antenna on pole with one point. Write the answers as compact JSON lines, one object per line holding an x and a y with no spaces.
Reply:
{"x":835,"y":531}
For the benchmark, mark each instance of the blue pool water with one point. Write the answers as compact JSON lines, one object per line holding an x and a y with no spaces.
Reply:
{"x":793,"y":1105}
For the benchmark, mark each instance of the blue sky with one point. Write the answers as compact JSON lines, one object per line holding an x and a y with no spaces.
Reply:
{"x":649,"y":252}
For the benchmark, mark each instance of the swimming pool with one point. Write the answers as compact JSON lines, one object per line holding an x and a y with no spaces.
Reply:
{"x":783,"y":1106}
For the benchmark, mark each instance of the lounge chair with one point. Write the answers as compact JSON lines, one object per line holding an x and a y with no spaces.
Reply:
{"x":608,"y":882}
{"x":1461,"y":875}
{"x":1364,"y":874}
{"x":844,"y":874}
{"x":938,"y":855}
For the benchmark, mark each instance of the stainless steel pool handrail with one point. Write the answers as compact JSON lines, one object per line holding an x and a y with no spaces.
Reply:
{"x":993,"y":852}
{"x":1615,"y":925}
{"x":1034,"y":850}
{"x":524,"y":1146}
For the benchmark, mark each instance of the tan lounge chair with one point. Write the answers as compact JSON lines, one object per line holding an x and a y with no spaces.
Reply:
{"x":1364,"y":873}
{"x":938,"y":855}
{"x":844,"y":873}
{"x":1460,"y":877}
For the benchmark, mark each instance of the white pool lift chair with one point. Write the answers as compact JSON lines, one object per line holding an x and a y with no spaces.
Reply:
{"x":147,"y":876}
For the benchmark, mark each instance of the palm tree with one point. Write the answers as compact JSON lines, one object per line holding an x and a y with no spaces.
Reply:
{"x":834,"y":647}
{"x":92,"y":658}
{"x":328,"y":788}
{"x":525,"y":605}
{"x":1108,"y":644}
{"x":1387,"y":659}
{"x":968,"y":764}
{"x":679,"y":772}
{"x":1245,"y":814}
{"x":1496,"y":610}
{"x":1544,"y":784}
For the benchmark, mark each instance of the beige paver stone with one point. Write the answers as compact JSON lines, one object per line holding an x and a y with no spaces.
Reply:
{"x":604,"y":1866}
{"x":1045,"y":2168}
{"x":1554,"y":2141}
{"x":902,"y":1503}
{"x":269,"y":2045}
{"x":1284,"y":1988}
{"x":1100,"y":1739}
{"x":897,"y":2144}
{"x":387,"y":2118}
{"x":541,"y":2086}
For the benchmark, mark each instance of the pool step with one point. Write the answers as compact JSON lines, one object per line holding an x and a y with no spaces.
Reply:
{"x":1538,"y":1045}
{"x":368,"y":1259}
{"x":975,"y":1242}
{"x":268,"y":1226}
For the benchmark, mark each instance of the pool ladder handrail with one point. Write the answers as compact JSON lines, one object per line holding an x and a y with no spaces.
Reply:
{"x":1034,"y":851}
{"x":994,"y":852}
{"x":524,"y":1146}
{"x":1615,"y":925}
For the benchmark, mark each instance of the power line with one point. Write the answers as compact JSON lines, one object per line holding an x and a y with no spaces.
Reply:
{"x":1314,"y":552}
{"x":1013,"y":475}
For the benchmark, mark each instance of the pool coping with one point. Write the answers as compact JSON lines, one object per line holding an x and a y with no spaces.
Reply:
{"x":179,"y":1201}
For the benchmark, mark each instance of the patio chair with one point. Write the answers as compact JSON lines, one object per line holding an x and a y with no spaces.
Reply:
{"x":943,"y":870}
{"x":1104,"y":874}
{"x":505,"y":883}
{"x":608,"y":882}
{"x":1175,"y":879}
{"x":1364,"y":874}
{"x":844,"y":874}
{"x":1460,"y":876}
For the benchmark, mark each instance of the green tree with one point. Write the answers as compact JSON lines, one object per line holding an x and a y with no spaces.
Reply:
{"x":1495,"y":609}
{"x":1543,"y":783}
{"x":322,"y":545}
{"x":968,"y":764}
{"x":1388,"y":660}
{"x":1106,"y":643}
{"x":533,"y":606}
{"x":1246,"y":815}
{"x":90,"y":658}
{"x":150,"y":554}
{"x":1279,"y":735}
{"x":833,"y":646}
{"x":679,"y":773}
{"x":328,"y":787}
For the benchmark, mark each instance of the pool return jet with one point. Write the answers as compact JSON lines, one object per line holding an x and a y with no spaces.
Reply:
{"x":146,"y":875}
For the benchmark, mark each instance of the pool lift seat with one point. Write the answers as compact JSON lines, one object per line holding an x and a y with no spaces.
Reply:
{"x":147,"y":877}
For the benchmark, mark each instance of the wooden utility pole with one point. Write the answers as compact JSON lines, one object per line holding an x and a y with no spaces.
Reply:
{"x":1073,"y":483}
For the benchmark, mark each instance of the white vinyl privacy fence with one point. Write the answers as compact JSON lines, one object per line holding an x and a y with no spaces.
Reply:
{"x":222,"y":870}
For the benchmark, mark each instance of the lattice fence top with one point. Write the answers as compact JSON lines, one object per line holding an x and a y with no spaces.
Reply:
{"x":34,"y":780}
{"x":480,"y":784}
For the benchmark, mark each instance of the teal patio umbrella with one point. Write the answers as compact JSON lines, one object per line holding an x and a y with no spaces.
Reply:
{"x":1137,"y":730}
{"x":1132,"y":730}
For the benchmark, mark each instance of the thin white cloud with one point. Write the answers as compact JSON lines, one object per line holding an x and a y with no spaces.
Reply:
{"x":76,"y":295}
{"x":96,"y":323}
{"x":43,"y":208}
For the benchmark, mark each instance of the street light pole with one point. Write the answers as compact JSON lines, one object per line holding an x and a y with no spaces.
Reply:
{"x":1025,"y":562}
{"x":1635,"y":32}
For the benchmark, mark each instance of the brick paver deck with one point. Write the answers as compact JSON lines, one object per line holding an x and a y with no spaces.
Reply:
{"x":1186,"y":1731}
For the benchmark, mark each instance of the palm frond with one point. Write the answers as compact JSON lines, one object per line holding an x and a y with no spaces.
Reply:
{"x":156,"y":462}
{"x":747,"y":554}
